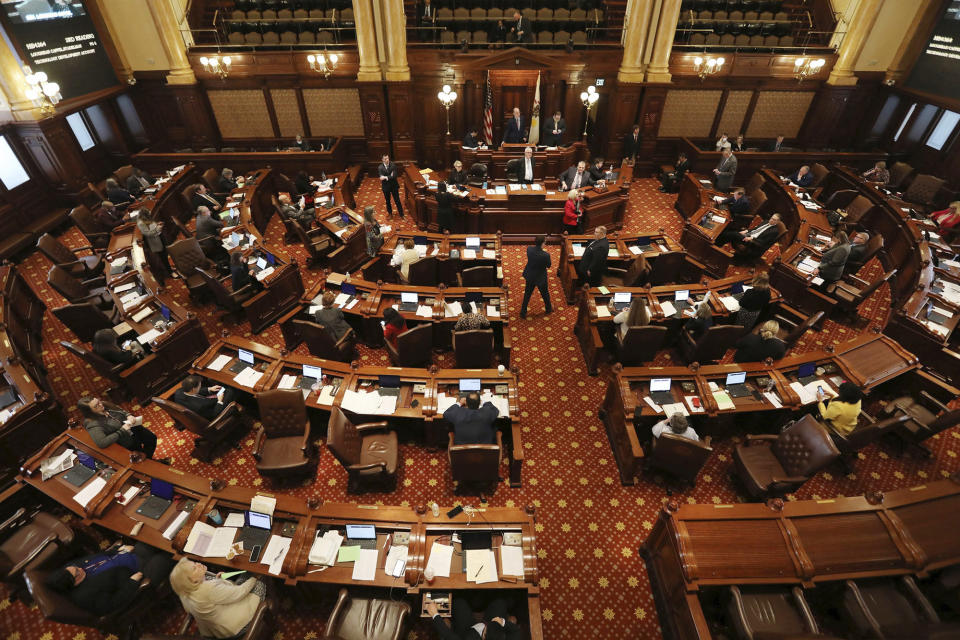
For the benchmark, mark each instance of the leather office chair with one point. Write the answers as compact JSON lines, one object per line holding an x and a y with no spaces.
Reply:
{"x":899,"y":173}
{"x":819,"y":172}
{"x":841,"y":199}
{"x":477,"y":175}
{"x":283,"y":438}
{"x":211,"y":177}
{"x":712,"y":344}
{"x":77,"y":291}
{"x":422,"y":273}
{"x":230,"y":301}
{"x":475,"y":465}
{"x":770,"y":465}
{"x":485,"y":276}
{"x":187,"y":258}
{"x":923,"y":191}
{"x":30,"y":539}
{"x":755,"y":183}
{"x":513,"y":169}
{"x":106,"y":369}
{"x":121,"y":174}
{"x":679,"y":457}
{"x":927,"y":417}
{"x":367,"y":451}
{"x":757,"y":201}
{"x":473,"y":349}
{"x":850,"y":295}
{"x":82,"y":267}
{"x":857,"y":210}
{"x":665,"y":268}
{"x":790,"y":331}
{"x":864,"y":434}
{"x":210,"y":433}
{"x":770,"y":612}
{"x":892,"y":608}
{"x":260,"y":627}
{"x":640,"y":345}
{"x":636,"y":275}
{"x":874,"y":245}
{"x":366,"y":619}
{"x":414,"y":347}
{"x":316,"y":242}
{"x":85,"y":319}
{"x":320,"y":341}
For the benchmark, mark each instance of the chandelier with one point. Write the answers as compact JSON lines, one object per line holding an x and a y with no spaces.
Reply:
{"x":217,"y":66}
{"x":708,"y":67}
{"x":323,"y":63}
{"x":804,"y":68}
{"x":45,"y":95}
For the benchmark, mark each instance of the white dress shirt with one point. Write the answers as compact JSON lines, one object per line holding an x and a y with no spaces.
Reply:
{"x":528,"y":169}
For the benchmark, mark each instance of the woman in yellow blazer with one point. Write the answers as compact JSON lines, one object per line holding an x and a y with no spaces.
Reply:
{"x":842,"y":412}
{"x":221,"y":608}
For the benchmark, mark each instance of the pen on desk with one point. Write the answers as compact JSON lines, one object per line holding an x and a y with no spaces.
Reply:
{"x":478,"y":571}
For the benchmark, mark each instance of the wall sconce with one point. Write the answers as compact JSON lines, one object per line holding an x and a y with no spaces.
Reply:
{"x":804,"y":68}
{"x":447,"y":98}
{"x":216,"y":65}
{"x":588,"y":98}
{"x":45,"y":95}
{"x":707,"y":67}
{"x":323,"y":63}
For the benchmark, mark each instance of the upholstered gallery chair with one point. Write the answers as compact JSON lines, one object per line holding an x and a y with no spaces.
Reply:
{"x":475,"y":465}
{"x":210,"y":433}
{"x":771,"y":612}
{"x":82,"y":267}
{"x":282,"y":446}
{"x":368,"y":451}
{"x":770,"y":465}
{"x":414,"y":347}
{"x":364,"y":618}
{"x":893,"y":608}
{"x":320,"y":341}
{"x":678,"y":457}
{"x":76,"y":291}
{"x":28,"y":540}
{"x":96,"y":235}
{"x":900,"y":172}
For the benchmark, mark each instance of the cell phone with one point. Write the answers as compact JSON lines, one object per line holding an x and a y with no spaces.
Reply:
{"x":819,"y":388}
{"x":255,"y":553}
{"x":696,"y":403}
{"x":457,"y":510}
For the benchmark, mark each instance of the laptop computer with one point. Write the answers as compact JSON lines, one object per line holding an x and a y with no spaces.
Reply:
{"x":735,"y":385}
{"x":256,"y":529}
{"x":473,"y":243}
{"x":364,"y":535}
{"x":660,"y":391}
{"x":935,"y":316}
{"x":80,"y":473}
{"x":8,"y":397}
{"x":389,"y":385}
{"x":469,"y":385}
{"x":161,"y":497}
{"x":681,"y":299}
{"x":245,"y":358}
{"x":807,"y":373}
{"x":311,"y":376}
{"x":621,"y":300}
{"x":408,"y":301}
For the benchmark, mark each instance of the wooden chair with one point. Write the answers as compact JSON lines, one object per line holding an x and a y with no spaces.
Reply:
{"x":414,"y":347}
{"x":927,"y":417}
{"x":30,"y":539}
{"x":356,"y":617}
{"x":665,"y":268}
{"x":636,"y":275}
{"x":187,"y":258}
{"x":85,"y":319}
{"x":864,"y":434}
{"x":899,"y":173}
{"x":819,"y":172}
{"x":473,"y":349}
{"x":77,"y":291}
{"x":230,"y":301}
{"x":874,"y":245}
{"x":840,"y":199}
{"x":856,"y":209}
{"x":82,"y":267}
{"x":712,"y":345}
{"x":475,"y":465}
{"x":282,"y":446}
{"x":485,"y":276}
{"x":211,"y":177}
{"x":772,"y":612}
{"x":757,"y":201}
{"x":368,"y":451}
{"x":790,"y":331}
{"x":210,"y":433}
{"x":892,"y":608}
{"x":320,"y":341}
{"x":641,"y":345}
{"x":109,"y":371}
{"x":422,"y":273}
{"x":316,"y":242}
{"x":679,"y":457}
{"x":850,"y":295}
{"x":923,"y":191}
{"x":96,"y":235}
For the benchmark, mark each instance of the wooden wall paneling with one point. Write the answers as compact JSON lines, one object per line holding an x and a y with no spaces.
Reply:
{"x":375,"y":123}
{"x":37,"y":193}
{"x":624,"y":108}
{"x":862,"y":110}
{"x":106,"y":122}
{"x":130,"y":122}
{"x":651,"y":110}
{"x":304,"y":120}
{"x":779,"y":112}
{"x":689,"y":112}
{"x":196,"y":114}
{"x":825,"y":116}
{"x":401,"y":120}
{"x":242,"y":113}
{"x":732,"y":113}
{"x":55,"y":152}
{"x":333,"y":110}
{"x":574,"y":111}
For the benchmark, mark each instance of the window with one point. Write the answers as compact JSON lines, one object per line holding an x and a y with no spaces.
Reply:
{"x":12,"y":173}
{"x":906,"y":119}
{"x":946,"y":125}
{"x":80,"y":131}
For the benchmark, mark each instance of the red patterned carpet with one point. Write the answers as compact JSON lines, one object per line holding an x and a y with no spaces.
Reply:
{"x":589,"y":526}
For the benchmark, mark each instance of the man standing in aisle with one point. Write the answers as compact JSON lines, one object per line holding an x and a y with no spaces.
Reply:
{"x":535,"y":275}
{"x":389,"y":184}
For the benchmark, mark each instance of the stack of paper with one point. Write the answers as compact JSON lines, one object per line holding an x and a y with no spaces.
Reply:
{"x":723,"y":400}
{"x":939,"y":329}
{"x":396,"y":561}
{"x":452,"y":309}
{"x":209,"y":542}
{"x":613,"y":253}
{"x":511,"y":561}
{"x":635,"y":250}
{"x":119,"y":263}
{"x":773,"y":398}
{"x":489,"y":254}
{"x":674,"y":407}
{"x":444,"y":402}
{"x":424,"y":311}
{"x":469,"y":254}
{"x":365,"y":567}
{"x":668,"y":308}
{"x":219,"y":362}
{"x":808,"y":264}
{"x":577,"y":250}
{"x":500,"y":402}
{"x":730,"y":303}
{"x":439,"y":560}
{"x":501,"y":190}
{"x":55,"y":464}
{"x":326,"y":395}
{"x":146,"y":312}
{"x":275,"y":552}
{"x":263,"y":504}
{"x":808,"y":392}
{"x":248,"y":377}
{"x":176,"y":525}
{"x":492,"y":311}
{"x":326,"y":548}
{"x":481,"y":566}
{"x":144,"y":338}
{"x":287,"y":382}
{"x":603,"y":311}
{"x":125,"y":287}
{"x":264,"y":273}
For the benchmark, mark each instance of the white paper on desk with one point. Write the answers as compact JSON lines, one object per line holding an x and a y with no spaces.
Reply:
{"x":57,"y":464}
{"x":122,"y":329}
{"x":133,"y":302}
{"x":386,"y":405}
{"x":773,"y":398}
{"x":500,"y":402}
{"x":511,"y":560}
{"x":489,"y":254}
{"x":693,"y":409}
{"x":469,"y":254}
{"x":481,"y":566}
{"x":613,"y":253}
{"x":287,"y":382}
{"x":635,"y":250}
{"x":124,"y":287}
{"x":951,"y":263}
{"x":718,"y":219}
{"x":176,"y":525}
{"x":129,"y":494}
{"x":219,"y":362}
{"x":718,"y":198}
{"x":266,"y":272}
{"x":577,"y":250}
{"x":325,"y":548}
{"x":326,"y":395}
{"x":263,"y":504}
{"x":668,"y":308}
{"x":663,"y":249}
{"x":492,"y":311}
{"x":234,"y":520}
{"x":144,"y":338}
{"x":816,"y":281}
{"x":365,"y":567}
{"x":706,"y":182}
{"x":674,"y":407}
{"x":730,"y":303}
{"x":424,"y":311}
{"x":501,"y":190}
{"x":275,"y":552}
{"x":939,"y":329}
{"x":143,"y":313}
{"x":341,"y":299}
{"x":352,"y":304}
{"x":452,"y":309}
{"x":444,"y":402}
{"x":603,"y":311}
{"x":724,"y":401}
{"x":653,"y":405}
{"x":396,"y":561}
{"x":439,"y":560}
{"x":248,"y":377}
{"x":119,"y":262}
{"x":85,"y":495}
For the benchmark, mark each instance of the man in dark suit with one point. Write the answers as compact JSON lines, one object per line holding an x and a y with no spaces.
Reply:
{"x":553,"y":130}
{"x":670,"y":180}
{"x":597,"y":172}
{"x":777,"y":144}
{"x":496,"y":625}
{"x":631,"y":144}
{"x":471,"y":141}
{"x":521,"y":31}
{"x":725,"y":171}
{"x":528,"y":166}
{"x":513,"y":128}
{"x":109,"y":581}
{"x":737,"y":204}
{"x":576,"y":177}
{"x":206,"y":402}
{"x":226,"y":183}
{"x":138,"y":181}
{"x":472,"y":424}
{"x":593,"y":262}
{"x":203,"y":198}
{"x":754,"y":241}
{"x":388,"y":183}
{"x":535,"y":275}
{"x":108,"y":216}
{"x":207,"y":225}
{"x":801,"y":177}
{"x":858,"y":248}
{"x":117,"y":194}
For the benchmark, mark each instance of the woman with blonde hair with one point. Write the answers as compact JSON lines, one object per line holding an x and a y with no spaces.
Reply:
{"x":571,"y":212}
{"x":221,"y":608}
{"x":403,"y":257}
{"x":757,"y":347}
{"x":754,"y":300}
{"x":636,"y":315}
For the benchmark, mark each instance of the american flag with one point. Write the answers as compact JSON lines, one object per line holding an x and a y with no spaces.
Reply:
{"x":488,"y":114}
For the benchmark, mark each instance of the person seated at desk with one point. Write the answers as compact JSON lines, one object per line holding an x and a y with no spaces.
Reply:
{"x":471,"y":140}
{"x":834,"y":259}
{"x":472,"y":424}
{"x":593,"y":262}
{"x":701,"y":321}
{"x":138,"y":181}
{"x":206,"y":402}
{"x":330,"y":316}
{"x":677,"y":425}
{"x":513,"y":128}
{"x":842,"y":412}
{"x":240,"y":274}
{"x":222,"y":608}
{"x":203,"y":198}
{"x":470,"y":321}
{"x":302,"y":183}
{"x":303,"y":217}
{"x":752,"y":241}
{"x":105,"y":345}
{"x":109,"y":581}
{"x":670,"y":180}
{"x":374,"y":240}
{"x":879,"y":173}
{"x":207,"y":225}
{"x":496,"y":625}
{"x":444,"y":207}
{"x":116,"y":194}
{"x":754,"y":300}
{"x":739,"y":144}
{"x":757,"y":347}
{"x":597,"y":172}
{"x":393,"y":325}
{"x":553,"y":129}
{"x":738,"y":204}
{"x":226,"y":183}
{"x":724,"y":144}
{"x":107,"y":426}
{"x":636,"y":315}
{"x":576,"y":177}
{"x":303,"y":144}
{"x":777,"y":144}
{"x":572,"y":213}
{"x":405,"y":256}
{"x":458,"y":176}
{"x":529,"y":163}
{"x":725,"y":170}
{"x":947,"y":220}
{"x":801,"y":177}
{"x":108,"y":216}
{"x":858,"y":247}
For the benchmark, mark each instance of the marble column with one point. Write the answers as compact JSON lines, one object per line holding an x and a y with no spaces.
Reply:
{"x":861,"y":24}
{"x":636,"y":27}
{"x":395,"y":29}
{"x":14,"y":87}
{"x":168,"y":28}
{"x":914,"y":41}
{"x":365,"y":27}
{"x":659,"y":69}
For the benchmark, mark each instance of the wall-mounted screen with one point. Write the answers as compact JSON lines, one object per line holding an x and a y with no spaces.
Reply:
{"x":58,"y":38}
{"x":12,"y":173}
{"x":938,"y":69}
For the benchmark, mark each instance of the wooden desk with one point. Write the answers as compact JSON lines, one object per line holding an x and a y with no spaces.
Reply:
{"x":548,"y":163}
{"x":439,"y":245}
{"x":692,"y":546}
{"x":704,"y":223}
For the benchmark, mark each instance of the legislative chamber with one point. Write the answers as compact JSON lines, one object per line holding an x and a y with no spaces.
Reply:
{"x":466,"y":319}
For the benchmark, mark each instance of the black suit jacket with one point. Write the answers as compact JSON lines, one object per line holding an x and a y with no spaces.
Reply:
{"x":206,"y":200}
{"x":801,"y":181}
{"x":737,"y":207}
{"x":569,"y":175}
{"x":526,"y":27}
{"x":201,"y":405}
{"x":522,"y":172}
{"x":596,"y":174}
{"x":225,"y":185}
{"x":422,"y":17}
{"x":773,"y":145}
{"x":106,"y":592}
{"x":302,"y":185}
{"x":473,"y":426}
{"x":548,"y":137}
{"x":681,"y":168}
{"x":510,"y":631}
{"x":594,"y":259}
{"x":470,"y":142}
{"x":457,"y":177}
{"x":538,"y":261}
{"x":390,"y":184}
{"x":857,"y":253}
{"x":513,"y":132}
{"x":119,"y":196}
{"x":767,"y":237}
{"x":631,"y":147}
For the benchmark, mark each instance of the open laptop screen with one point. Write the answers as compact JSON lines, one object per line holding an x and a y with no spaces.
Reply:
{"x":736,"y":378}
{"x":470,"y":384}
{"x":660,"y":384}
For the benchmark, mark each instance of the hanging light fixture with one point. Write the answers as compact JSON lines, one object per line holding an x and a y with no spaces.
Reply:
{"x":44,"y":94}
{"x":708,"y":67}
{"x":804,"y":68}
{"x":217,"y":66}
{"x":323,"y":63}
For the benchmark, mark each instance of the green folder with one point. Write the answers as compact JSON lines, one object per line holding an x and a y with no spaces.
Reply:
{"x":348,"y":554}
{"x":604,"y":290}
{"x":229,"y":574}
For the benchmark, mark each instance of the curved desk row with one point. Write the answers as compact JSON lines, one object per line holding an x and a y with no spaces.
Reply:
{"x":482,"y":250}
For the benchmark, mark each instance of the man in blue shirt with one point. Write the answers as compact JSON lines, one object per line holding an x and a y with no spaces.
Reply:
{"x":802,"y":177}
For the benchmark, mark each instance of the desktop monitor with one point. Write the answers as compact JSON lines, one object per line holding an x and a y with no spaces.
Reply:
{"x":660,"y":384}
{"x":258,"y":520}
{"x":349,"y":289}
{"x":310,"y":371}
{"x":736,"y":378}
{"x":470,"y":384}
{"x":473,"y":243}
{"x":680,"y":296}
{"x":361,"y":532}
{"x":245,"y":356}
{"x":408,"y":298}
{"x":389,"y":381}
{"x":161,"y":489}
{"x":622,"y":296}
{"x":165,"y":312}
